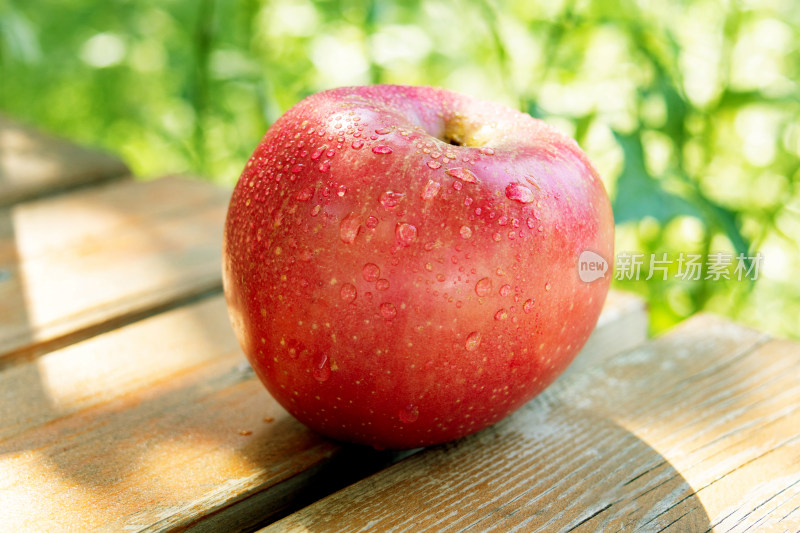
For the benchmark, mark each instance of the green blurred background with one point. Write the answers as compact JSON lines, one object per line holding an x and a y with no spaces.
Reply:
{"x":690,"y":109}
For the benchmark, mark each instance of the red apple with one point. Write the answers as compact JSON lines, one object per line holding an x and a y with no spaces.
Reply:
{"x":401,"y":263}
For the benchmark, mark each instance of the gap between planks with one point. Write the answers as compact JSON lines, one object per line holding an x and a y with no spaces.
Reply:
{"x":89,"y":261}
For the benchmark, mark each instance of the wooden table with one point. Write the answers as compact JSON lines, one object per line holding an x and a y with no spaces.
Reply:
{"x":126,"y":404}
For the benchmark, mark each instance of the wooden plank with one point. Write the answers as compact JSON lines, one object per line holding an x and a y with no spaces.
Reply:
{"x":33,"y":163}
{"x":697,"y":430}
{"x":82,"y":262}
{"x":160,"y":425}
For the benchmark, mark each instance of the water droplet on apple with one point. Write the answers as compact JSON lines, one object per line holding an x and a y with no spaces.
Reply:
{"x":430,"y":190}
{"x":382,"y":284}
{"x":298,"y":168}
{"x":505,"y":290}
{"x":357,"y":144}
{"x":502,"y":314}
{"x":372,"y":222}
{"x":465,"y":232}
{"x":434,"y":165}
{"x":348,"y":292}
{"x":341,"y":191}
{"x":527,"y":306}
{"x":429,"y":267}
{"x":547,"y":286}
{"x":519,"y":193}
{"x":390,"y":199}
{"x":383,"y":131}
{"x":409,"y":414}
{"x":321,"y":371}
{"x":349,"y":228}
{"x":483,"y":287}
{"x":388,"y":310}
{"x":325,"y":166}
{"x":503,"y":220}
{"x":315,"y":211}
{"x":330,"y":153}
{"x":487,"y":151}
{"x":463,"y":174}
{"x":405,"y":233}
{"x":382,"y":149}
{"x":305,"y":194}
{"x":530,"y":223}
{"x":318,"y":152}
{"x":473,"y":341}
{"x":457,"y":185}
{"x":371,"y":272}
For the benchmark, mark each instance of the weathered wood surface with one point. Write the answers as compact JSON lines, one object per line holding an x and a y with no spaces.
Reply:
{"x":697,"y":430}
{"x":78,"y":263}
{"x":160,"y":425}
{"x":33,"y":163}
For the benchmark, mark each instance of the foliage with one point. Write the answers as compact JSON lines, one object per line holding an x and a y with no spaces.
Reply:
{"x":690,"y":109}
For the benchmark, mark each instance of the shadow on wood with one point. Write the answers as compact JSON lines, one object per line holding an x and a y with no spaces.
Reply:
{"x":693,"y":431}
{"x":161,"y":422}
{"x":34,"y":164}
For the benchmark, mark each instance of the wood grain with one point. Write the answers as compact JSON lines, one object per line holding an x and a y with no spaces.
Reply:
{"x":33,"y":163}
{"x":82,"y":262}
{"x":697,"y":430}
{"x":159,"y":425}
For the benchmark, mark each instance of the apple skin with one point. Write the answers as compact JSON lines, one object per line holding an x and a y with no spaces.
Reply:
{"x":400,"y":263}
